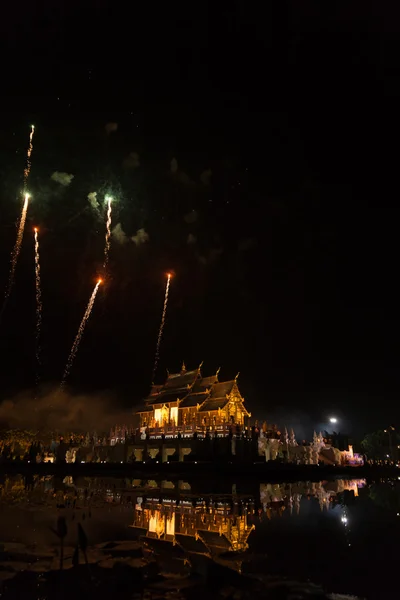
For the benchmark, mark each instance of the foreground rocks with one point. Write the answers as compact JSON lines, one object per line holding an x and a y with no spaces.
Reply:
{"x":132,"y":569}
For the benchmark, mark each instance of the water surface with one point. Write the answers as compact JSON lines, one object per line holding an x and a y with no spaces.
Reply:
{"x":340,"y":535}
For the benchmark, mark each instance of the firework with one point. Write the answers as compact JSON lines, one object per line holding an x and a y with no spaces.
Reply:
{"x":21,"y":225}
{"x":108,"y":232}
{"x":79,"y":335}
{"x":38,"y":302}
{"x":28,"y":157}
{"x":160,"y":332}
{"x":15,"y":252}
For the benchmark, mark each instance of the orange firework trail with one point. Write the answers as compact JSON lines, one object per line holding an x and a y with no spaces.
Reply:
{"x":16,"y":251}
{"x":21,"y":225}
{"x":79,"y":335}
{"x":160,"y":332}
{"x":28,"y":157}
{"x":108,"y":233}
{"x":38,"y":302}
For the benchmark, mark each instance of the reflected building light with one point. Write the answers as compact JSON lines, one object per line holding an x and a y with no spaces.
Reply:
{"x":164,"y":519}
{"x":171,"y":525}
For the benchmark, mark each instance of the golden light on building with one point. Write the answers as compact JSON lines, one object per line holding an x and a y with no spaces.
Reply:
{"x":187,"y":399}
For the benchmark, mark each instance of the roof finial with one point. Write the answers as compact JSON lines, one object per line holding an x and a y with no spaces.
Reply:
{"x":218,"y":370}
{"x":201,"y":364}
{"x":183,"y":367}
{"x":236,"y":378}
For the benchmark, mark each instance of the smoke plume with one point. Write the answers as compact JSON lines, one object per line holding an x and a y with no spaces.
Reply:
{"x":62,"y":178}
{"x":141,"y":237}
{"x":205,"y":177}
{"x":174,"y":166}
{"x":301,"y":422}
{"x":119,"y":234}
{"x":179,"y":175}
{"x":246,"y":244}
{"x":61,"y":411}
{"x":111,"y":127}
{"x":92,"y":197}
{"x":191,"y":217}
{"x":132,"y":161}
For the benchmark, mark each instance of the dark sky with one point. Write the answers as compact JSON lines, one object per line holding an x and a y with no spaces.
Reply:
{"x":292,"y":279}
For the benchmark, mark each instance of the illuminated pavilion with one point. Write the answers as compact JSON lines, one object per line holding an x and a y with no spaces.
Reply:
{"x":187,"y":400}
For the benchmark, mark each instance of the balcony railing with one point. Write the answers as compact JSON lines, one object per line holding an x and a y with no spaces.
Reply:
{"x":182,"y":431}
{"x":174,"y":431}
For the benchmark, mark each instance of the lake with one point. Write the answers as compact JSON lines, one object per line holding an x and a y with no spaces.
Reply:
{"x":175,"y":539}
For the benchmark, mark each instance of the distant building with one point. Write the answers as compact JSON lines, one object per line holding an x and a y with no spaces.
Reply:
{"x":189,"y":400}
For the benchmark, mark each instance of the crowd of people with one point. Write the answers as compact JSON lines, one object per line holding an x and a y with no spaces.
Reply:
{"x":46,"y":448}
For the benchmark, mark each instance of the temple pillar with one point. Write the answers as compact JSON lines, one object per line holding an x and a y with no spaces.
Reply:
{"x":167,"y":485}
{"x":138,"y":452}
{"x":267,"y":451}
{"x":166,"y":453}
{"x":183,"y":452}
{"x":184,"y":486}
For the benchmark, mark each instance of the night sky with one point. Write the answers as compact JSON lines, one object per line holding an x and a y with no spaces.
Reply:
{"x":265,"y":173}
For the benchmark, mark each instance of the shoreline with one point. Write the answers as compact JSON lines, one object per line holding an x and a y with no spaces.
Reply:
{"x":274,"y":472}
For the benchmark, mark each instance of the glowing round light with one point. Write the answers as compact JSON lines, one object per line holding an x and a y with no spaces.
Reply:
{"x":333,"y":420}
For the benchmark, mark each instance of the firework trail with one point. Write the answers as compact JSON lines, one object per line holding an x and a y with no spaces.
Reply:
{"x":21,"y":226}
{"x":79,"y":335}
{"x":28,"y":157}
{"x":38,"y":303}
{"x":108,"y":232}
{"x":15,"y":253}
{"x":18,"y":242}
{"x":160,"y":332}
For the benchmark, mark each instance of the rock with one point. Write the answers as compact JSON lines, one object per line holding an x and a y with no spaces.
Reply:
{"x":40,"y":566}
{"x":14,"y":566}
{"x":5,"y":575}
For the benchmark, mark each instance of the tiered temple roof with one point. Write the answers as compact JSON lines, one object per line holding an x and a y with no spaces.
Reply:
{"x":194,"y":399}
{"x":190,"y":389}
{"x":181,"y":381}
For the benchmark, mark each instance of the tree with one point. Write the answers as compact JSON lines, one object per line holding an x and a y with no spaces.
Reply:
{"x":386,"y":496}
{"x":381,"y":444}
{"x":19,"y":440}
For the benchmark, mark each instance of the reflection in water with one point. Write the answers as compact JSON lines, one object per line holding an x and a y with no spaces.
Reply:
{"x":176,"y":508}
{"x":225,"y":525}
{"x":221,"y":525}
{"x":251,"y":527}
{"x":165,"y":510}
{"x":276,"y":498}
